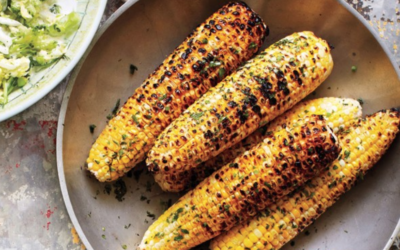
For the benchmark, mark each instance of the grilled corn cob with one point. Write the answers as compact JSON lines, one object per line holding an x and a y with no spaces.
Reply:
{"x":340,"y":113}
{"x":362,"y":146}
{"x":258,"y":92}
{"x":236,"y":192}
{"x":225,"y":40}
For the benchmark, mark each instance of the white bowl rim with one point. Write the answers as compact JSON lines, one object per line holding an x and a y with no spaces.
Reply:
{"x":44,"y":90}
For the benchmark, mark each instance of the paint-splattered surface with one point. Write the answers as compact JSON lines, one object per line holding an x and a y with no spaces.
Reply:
{"x":32,"y":212}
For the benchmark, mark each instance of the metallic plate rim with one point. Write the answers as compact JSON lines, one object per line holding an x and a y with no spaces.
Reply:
{"x":71,"y":82}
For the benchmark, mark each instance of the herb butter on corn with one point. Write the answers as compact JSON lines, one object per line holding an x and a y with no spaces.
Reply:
{"x":283,"y":161}
{"x":340,"y":113}
{"x":229,"y":37}
{"x":363,"y":144}
{"x":255,"y":94}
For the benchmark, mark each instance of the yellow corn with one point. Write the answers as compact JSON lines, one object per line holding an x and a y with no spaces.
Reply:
{"x":229,"y":37}
{"x":339,"y":113}
{"x":256,"y":93}
{"x":362,"y":146}
{"x":241,"y":189}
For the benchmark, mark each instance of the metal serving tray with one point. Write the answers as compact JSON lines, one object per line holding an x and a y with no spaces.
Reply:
{"x":143,"y":33}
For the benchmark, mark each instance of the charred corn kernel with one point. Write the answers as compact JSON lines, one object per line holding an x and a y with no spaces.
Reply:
{"x":339,"y":113}
{"x":205,"y":211}
{"x":226,"y":39}
{"x":256,"y":93}
{"x":382,"y":127}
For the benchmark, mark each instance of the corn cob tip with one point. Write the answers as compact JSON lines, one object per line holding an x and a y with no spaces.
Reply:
{"x":257,"y":17}
{"x":394,"y":111}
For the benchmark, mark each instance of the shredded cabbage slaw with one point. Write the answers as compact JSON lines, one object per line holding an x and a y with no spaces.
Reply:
{"x":32,"y":37}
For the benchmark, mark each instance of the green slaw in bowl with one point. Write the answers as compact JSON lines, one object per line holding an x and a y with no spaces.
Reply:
{"x":33,"y":37}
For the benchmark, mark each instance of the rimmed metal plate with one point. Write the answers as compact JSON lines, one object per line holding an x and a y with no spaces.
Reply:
{"x":144,"y":35}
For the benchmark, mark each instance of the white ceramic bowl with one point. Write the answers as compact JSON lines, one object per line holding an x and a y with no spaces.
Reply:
{"x":44,"y":81}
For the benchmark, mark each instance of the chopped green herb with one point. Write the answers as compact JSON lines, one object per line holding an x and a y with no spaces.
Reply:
{"x":204,"y":41}
{"x":184,"y":231}
{"x":116,"y":107}
{"x":279,"y":58}
{"x":197,"y":116}
{"x":151,"y":215}
{"x":160,"y":234}
{"x":167,"y":108}
{"x":178,"y":238}
{"x":226,"y":207}
{"x":124,"y":247}
{"x":346,"y":154}
{"x":361,"y":101}
{"x":267,"y":184}
{"x":132,"y":69}
{"x":143,"y":198}
{"x":214,"y":64}
{"x":282,"y":42}
{"x":127,"y":226}
{"x":353,"y":68}
{"x":252,"y":45}
{"x":135,"y":119}
{"x":332,"y":184}
{"x":103,"y":236}
{"x":162,"y":97}
{"x":148,"y":116}
{"x":166,"y":204}
{"x":335,"y":167}
{"x":221,"y":73}
{"x":124,"y":136}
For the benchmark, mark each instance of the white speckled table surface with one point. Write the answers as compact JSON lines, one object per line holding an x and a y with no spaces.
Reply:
{"x":32,"y":211}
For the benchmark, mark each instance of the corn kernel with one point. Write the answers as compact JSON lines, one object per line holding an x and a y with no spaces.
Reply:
{"x":247,"y":243}
{"x":253,"y":237}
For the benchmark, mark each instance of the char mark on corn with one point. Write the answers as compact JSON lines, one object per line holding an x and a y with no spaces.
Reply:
{"x":218,"y":46}
{"x":363,"y":144}
{"x":340,"y":113}
{"x":255,"y":94}
{"x":283,"y":161}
